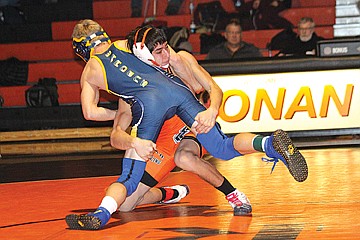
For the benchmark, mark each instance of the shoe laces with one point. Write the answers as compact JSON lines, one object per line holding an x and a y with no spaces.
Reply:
{"x":273,"y":160}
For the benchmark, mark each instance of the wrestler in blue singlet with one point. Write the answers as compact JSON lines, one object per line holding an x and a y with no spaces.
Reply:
{"x":153,"y":101}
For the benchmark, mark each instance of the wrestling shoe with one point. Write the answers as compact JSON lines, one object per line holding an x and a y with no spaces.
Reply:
{"x":90,"y":221}
{"x":240,"y":203}
{"x":183,"y":191}
{"x":280,"y":147}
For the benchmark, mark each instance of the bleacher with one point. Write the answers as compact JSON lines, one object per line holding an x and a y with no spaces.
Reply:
{"x":55,"y":58}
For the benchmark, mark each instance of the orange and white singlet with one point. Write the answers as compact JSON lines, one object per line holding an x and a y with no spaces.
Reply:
{"x":172,"y":132}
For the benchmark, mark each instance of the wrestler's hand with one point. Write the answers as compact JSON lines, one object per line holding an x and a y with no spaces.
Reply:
{"x":206,"y":120}
{"x":144,"y":148}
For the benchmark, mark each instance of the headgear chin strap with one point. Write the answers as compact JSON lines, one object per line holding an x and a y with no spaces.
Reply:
{"x":83,"y":46}
{"x":142,"y":52}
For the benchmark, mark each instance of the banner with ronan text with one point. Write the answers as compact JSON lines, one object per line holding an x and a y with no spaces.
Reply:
{"x":293,"y":101}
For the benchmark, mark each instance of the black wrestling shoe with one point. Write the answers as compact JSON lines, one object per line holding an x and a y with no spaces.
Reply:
{"x":83,"y":222}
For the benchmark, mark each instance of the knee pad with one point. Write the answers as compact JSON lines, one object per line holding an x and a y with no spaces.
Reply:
{"x":132,"y":172}
{"x":218,"y":144}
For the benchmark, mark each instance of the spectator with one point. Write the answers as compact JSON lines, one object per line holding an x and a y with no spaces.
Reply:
{"x":305,"y":42}
{"x":233,"y":47}
{"x":262,"y":14}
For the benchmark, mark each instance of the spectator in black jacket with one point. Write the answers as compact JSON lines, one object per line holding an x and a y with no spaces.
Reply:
{"x":233,"y":47}
{"x":305,"y":42}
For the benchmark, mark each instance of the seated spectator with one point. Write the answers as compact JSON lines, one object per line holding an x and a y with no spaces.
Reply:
{"x":233,"y":47}
{"x":305,"y":42}
{"x":262,"y":14}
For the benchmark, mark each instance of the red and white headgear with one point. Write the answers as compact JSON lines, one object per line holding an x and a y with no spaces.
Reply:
{"x":142,"y":52}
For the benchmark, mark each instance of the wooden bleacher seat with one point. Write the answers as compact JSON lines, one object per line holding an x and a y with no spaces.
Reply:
{"x":116,"y":28}
{"x":69,"y":93}
{"x":200,"y":57}
{"x":194,"y":40}
{"x":111,"y":9}
{"x":38,"y":51}
{"x":115,"y":8}
{"x":260,"y":38}
{"x":61,"y":70}
{"x":14,"y":96}
{"x":312,"y":3}
{"x":323,"y":16}
{"x":325,"y":32}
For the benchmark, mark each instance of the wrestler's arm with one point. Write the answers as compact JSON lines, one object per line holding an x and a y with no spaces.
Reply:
{"x":206,"y":119}
{"x":90,"y":95}
{"x":120,"y":139}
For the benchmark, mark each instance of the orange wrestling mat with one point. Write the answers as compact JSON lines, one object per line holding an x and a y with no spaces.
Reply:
{"x":325,"y":206}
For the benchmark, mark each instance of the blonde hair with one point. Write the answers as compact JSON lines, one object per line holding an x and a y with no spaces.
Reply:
{"x":85,"y":28}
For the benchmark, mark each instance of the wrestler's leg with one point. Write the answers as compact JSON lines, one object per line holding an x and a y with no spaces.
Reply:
{"x":187,"y":157}
{"x":243,"y":143}
{"x":143,"y":195}
{"x":149,"y":195}
{"x":116,"y":193}
{"x":278,"y":147}
{"x":156,"y":170}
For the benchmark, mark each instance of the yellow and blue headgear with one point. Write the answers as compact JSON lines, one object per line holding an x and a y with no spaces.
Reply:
{"x":83,"y":46}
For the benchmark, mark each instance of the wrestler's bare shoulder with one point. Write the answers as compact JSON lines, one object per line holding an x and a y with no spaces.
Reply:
{"x":93,"y":73}
{"x":190,"y":78}
{"x":122,"y":45}
{"x":92,"y":67}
